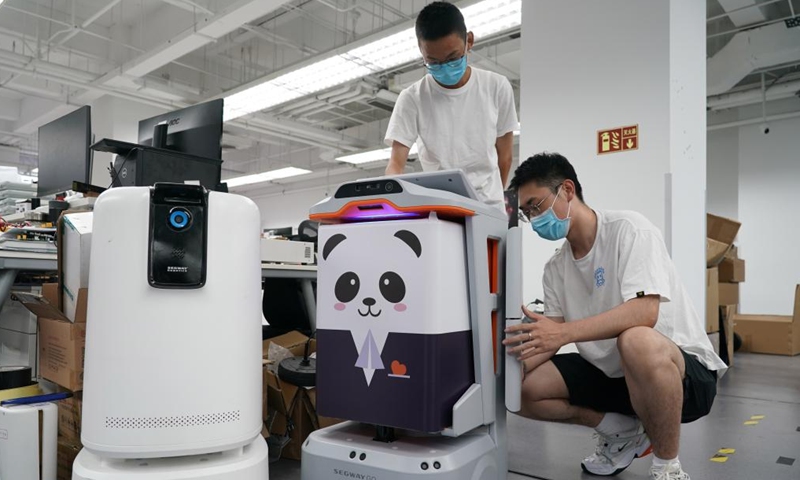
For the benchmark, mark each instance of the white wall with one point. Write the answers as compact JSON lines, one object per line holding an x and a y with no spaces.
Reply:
{"x":769,"y":196}
{"x":635,"y":70}
{"x":289,"y":209}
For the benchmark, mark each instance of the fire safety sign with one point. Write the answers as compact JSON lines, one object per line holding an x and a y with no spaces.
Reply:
{"x":618,"y":139}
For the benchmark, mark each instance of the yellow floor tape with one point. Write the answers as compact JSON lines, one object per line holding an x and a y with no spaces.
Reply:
{"x":751,"y":422}
{"x":757,"y":417}
{"x":727,"y":451}
{"x":719,"y":459}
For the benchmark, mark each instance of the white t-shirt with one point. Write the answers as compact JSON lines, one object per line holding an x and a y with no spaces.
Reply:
{"x":628,"y":259}
{"x":458,"y":128}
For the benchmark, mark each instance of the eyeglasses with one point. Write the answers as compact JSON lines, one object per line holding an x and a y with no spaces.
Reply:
{"x":529,"y":211}
{"x":435,"y":67}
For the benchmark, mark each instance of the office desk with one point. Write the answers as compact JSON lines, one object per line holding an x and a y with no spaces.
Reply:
{"x":306,"y":274}
{"x":12,"y":263}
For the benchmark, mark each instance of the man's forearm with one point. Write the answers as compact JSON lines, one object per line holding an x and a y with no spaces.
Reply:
{"x":638,"y":312}
{"x":505,"y":169}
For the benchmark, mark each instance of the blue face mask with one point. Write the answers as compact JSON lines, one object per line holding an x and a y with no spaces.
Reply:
{"x":549,"y":226}
{"x":449,"y":73}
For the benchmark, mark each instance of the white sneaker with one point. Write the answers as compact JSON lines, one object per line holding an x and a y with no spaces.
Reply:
{"x":615,"y":453}
{"x":673,"y":471}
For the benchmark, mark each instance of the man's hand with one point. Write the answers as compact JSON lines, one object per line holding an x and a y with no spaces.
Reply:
{"x":541,"y":336}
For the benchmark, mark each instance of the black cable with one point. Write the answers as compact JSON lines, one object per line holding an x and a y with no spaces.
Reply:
{"x":114,"y":172}
{"x":528,"y":475}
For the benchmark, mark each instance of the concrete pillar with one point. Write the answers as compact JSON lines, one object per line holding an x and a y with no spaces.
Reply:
{"x":589,"y":66}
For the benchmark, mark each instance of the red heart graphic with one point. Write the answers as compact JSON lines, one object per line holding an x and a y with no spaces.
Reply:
{"x":398,"y":368}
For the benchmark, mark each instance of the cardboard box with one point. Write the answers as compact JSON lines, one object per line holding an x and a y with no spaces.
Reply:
{"x":714,"y":339}
{"x":728,"y":293}
{"x":720,"y":233}
{"x":733,"y":252}
{"x":722,"y":229}
{"x":712,"y":300}
{"x":46,"y":304}
{"x":731,"y":270}
{"x":67,"y":451}
{"x":776,"y":334}
{"x":69,"y":418}
{"x":292,"y":409}
{"x":74,"y":249}
{"x":62,"y":348}
{"x":715,"y":252}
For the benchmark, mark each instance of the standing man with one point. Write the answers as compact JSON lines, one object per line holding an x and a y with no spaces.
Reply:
{"x":460,"y":117}
{"x":645,"y":364}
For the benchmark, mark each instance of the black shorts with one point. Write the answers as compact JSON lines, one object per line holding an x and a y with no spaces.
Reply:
{"x":589,"y":387}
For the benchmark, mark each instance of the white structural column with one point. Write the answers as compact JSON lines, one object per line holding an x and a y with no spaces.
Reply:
{"x":588,"y":66}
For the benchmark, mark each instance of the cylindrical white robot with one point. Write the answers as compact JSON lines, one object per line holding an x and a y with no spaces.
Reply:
{"x":173,"y":340}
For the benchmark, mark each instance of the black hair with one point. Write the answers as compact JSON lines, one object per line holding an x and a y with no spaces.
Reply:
{"x":438,"y":20}
{"x":547,"y":170}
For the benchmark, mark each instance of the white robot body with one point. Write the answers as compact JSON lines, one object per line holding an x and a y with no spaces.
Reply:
{"x":28,"y":441}
{"x":248,"y":463}
{"x":173,"y":353}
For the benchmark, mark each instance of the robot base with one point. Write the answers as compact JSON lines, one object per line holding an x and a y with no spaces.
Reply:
{"x":248,"y":463}
{"x":348,"y":450}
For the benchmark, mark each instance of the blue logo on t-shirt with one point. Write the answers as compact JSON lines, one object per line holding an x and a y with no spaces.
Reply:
{"x":599,"y":277}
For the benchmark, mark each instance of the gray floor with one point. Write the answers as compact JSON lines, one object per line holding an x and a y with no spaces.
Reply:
{"x":756,"y":385}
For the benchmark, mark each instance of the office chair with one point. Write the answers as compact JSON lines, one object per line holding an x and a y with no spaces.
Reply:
{"x":284,"y":308}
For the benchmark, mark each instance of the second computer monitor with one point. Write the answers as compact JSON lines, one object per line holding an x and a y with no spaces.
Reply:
{"x":196,"y":130}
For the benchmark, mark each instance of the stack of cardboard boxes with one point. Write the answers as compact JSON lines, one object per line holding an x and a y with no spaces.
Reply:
{"x":61,"y":312}
{"x":725,"y":270}
{"x":774,"y":334}
{"x":290,"y":412}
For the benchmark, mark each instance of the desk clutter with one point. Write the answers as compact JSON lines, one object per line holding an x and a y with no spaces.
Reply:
{"x":60,"y":310}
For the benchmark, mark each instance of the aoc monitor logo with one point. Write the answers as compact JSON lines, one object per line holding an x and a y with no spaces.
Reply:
{"x":174,"y":121}
{"x":171,"y":269}
{"x":357,"y":476}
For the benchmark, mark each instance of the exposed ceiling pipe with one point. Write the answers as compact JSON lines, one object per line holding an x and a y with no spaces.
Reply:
{"x":742,"y":15}
{"x":189,"y":6}
{"x":753,"y":121}
{"x":32,"y":65}
{"x":330,"y":100}
{"x":387,"y":95}
{"x":320,"y":97}
{"x":284,"y":129}
{"x":753,"y":95}
{"x":66,"y":24}
{"x":76,"y":30}
{"x":749,"y":51}
{"x":308,"y":113}
{"x":345,"y":96}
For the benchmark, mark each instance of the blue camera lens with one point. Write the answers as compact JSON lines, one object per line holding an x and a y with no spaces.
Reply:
{"x":179,"y":219}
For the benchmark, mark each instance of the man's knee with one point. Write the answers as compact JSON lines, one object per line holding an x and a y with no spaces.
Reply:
{"x":643,"y":348}
{"x":543,"y":383}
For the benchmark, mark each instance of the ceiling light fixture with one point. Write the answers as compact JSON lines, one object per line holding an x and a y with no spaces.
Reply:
{"x":484,"y":18}
{"x":266,"y":176}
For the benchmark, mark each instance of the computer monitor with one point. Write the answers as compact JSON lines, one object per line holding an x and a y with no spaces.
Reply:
{"x":196,"y":130}
{"x":64,"y":155}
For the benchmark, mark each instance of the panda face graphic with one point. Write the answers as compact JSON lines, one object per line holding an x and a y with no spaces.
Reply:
{"x":370,"y":285}
{"x":390,"y":285}
{"x":370,"y":302}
